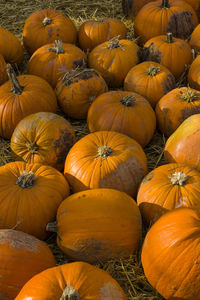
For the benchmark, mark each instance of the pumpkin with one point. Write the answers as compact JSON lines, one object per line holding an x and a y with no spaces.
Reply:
{"x":168,"y":187}
{"x":159,"y":17}
{"x":106,"y":159}
{"x":77,"y":90}
{"x":94,"y":32}
{"x":52,"y":61}
{"x":114,"y":59}
{"x":150,"y":80}
{"x":132,"y":7}
{"x":173,"y":53}
{"x":10,"y":47}
{"x":3,"y":72}
{"x":98,"y":225}
{"x":125,"y":112}
{"x":29,"y":196}
{"x":22,"y":96}
{"x":77,"y":280}
{"x":170,"y":255}
{"x":43,"y":138}
{"x":45,"y":26}
{"x":195,"y":4}
{"x":195,"y":40}
{"x":21,"y":257}
{"x":183,"y":145}
{"x":175,"y":107}
{"x":194,"y":74}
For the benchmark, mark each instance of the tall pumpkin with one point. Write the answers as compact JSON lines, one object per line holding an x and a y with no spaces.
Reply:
{"x":132,"y":7}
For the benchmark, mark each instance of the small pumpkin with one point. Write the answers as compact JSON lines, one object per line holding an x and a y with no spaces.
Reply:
{"x":3,"y":70}
{"x":125,"y":112}
{"x":52,"y":61}
{"x":45,"y":26}
{"x":150,"y":80}
{"x":77,"y":90}
{"x":132,"y":7}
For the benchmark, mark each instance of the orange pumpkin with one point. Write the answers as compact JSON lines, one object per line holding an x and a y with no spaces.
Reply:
{"x":195,"y":4}
{"x":159,"y":17}
{"x":21,"y":257}
{"x":194,"y":39}
{"x":124,"y":112}
{"x":29,"y":196}
{"x":43,"y":138}
{"x":77,"y":90}
{"x":45,"y":26}
{"x":194,"y":74}
{"x":132,"y":7}
{"x":22,"y":96}
{"x":106,"y":159}
{"x":77,"y":280}
{"x":52,"y":61}
{"x":175,"y":107}
{"x":170,"y":255}
{"x":114,"y":59}
{"x":150,"y":80}
{"x":3,"y":72}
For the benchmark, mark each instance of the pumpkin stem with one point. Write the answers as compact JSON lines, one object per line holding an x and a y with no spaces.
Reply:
{"x":165,"y":4}
{"x":190,"y":95}
{"x":32,"y":147}
{"x":26,"y":179}
{"x":70,"y":293}
{"x":57,"y":47}
{"x":152,"y":70}
{"x":52,"y":227}
{"x":128,"y":100}
{"x":16,"y":87}
{"x":169,"y":38}
{"x":178,"y":178}
{"x":114,"y":43}
{"x":46,"y":21}
{"x":104,"y":151}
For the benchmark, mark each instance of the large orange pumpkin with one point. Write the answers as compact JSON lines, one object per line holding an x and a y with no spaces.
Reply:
{"x":132,"y":7}
{"x":170,"y":255}
{"x":77,"y":280}
{"x":3,"y":71}
{"x":43,"y":138}
{"x":29,"y":196}
{"x":194,"y":74}
{"x":125,"y":112}
{"x":106,"y":159}
{"x":45,"y":26}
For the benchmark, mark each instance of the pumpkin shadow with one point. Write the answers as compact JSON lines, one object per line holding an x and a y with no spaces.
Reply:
{"x":151,"y":212}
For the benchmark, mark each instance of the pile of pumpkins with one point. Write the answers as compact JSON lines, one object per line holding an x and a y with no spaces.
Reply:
{"x":96,"y":193}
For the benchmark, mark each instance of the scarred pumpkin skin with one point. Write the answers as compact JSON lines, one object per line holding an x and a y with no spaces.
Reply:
{"x":83,"y":280}
{"x":77,"y":90}
{"x":195,"y":4}
{"x":170,"y":255}
{"x":194,"y":74}
{"x":3,"y":72}
{"x":106,"y":159}
{"x":27,"y":254}
{"x":29,"y":196}
{"x":125,"y":112}
{"x":168,"y":187}
{"x":43,"y":138}
{"x":45,"y":26}
{"x":151,"y":80}
{"x":132,"y":7}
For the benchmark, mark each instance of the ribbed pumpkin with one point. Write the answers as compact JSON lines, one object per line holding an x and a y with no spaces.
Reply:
{"x":22,"y":96}
{"x":195,"y":4}
{"x":52,"y":61}
{"x":98,"y":225}
{"x":150,"y":80}
{"x":77,"y":90}
{"x":43,"y":138}
{"x":21,"y":257}
{"x":45,"y":26}
{"x":125,"y":112}
{"x":194,"y":74}
{"x":184,"y":144}
{"x":106,"y":159}
{"x":173,"y":53}
{"x":168,"y":187}
{"x":131,"y":7}
{"x":175,"y":107}
{"x":95,"y":32}
{"x":170,"y":255}
{"x":162,"y":16}
{"x":114,"y":59}
{"x":75,"y":281}
{"x":29,"y":196}
{"x":3,"y":71}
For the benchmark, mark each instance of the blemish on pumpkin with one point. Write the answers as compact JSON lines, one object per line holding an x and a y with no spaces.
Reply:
{"x":169,"y":84}
{"x":188,"y":111}
{"x":50,"y":32}
{"x":181,"y":24}
{"x":78,"y":63}
{"x":151,"y":53}
{"x":63,"y":144}
{"x":2,"y":297}
{"x":148,"y":178}
{"x":167,"y":123}
{"x":110,"y":292}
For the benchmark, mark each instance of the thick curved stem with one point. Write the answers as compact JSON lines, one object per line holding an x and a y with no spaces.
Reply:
{"x":26,"y":179}
{"x":17,"y":89}
{"x":57,"y":47}
{"x":70,"y":293}
{"x":46,"y":21}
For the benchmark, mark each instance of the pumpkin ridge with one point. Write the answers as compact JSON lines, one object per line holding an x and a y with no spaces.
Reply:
{"x":16,"y":89}
{"x":26,"y":179}
{"x":57,"y":47}
{"x":70,"y":293}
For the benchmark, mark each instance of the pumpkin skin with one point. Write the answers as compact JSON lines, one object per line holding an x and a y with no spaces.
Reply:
{"x":106,"y":159}
{"x":175,"y":107}
{"x":150,"y":80}
{"x":3,"y":72}
{"x":173,"y":237}
{"x":77,"y":90}
{"x":29,"y":196}
{"x":193,"y":74}
{"x":168,"y":187}
{"x":173,"y":53}
{"x":93,"y":33}
{"x":194,"y":39}
{"x":131,"y":7}
{"x":43,"y":138}
{"x":81,"y":279}
{"x":183,"y":145}
{"x":114,"y":59}
{"x":195,"y":4}
{"x":157,"y":18}
{"x":52,"y":61}
{"x":125,"y":112}
{"x":45,"y":26}
{"x":24,"y":252}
